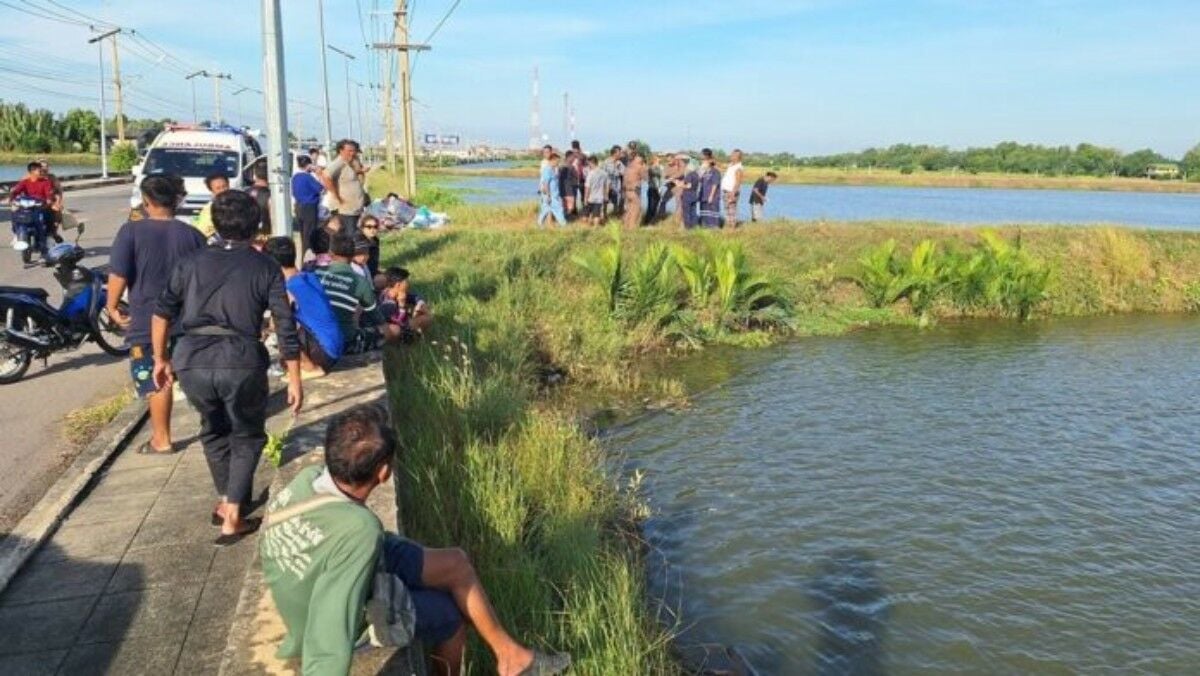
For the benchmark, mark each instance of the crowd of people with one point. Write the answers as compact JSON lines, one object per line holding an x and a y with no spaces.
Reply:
{"x":576,"y":186}
{"x":218,"y":306}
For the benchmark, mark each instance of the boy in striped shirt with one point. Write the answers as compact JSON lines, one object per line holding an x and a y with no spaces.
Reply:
{"x":353,"y":299}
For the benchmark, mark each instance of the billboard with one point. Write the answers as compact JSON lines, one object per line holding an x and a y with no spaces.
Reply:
{"x":442,"y":139}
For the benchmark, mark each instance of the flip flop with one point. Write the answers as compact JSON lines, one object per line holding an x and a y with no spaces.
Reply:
{"x":547,"y":665}
{"x":249,"y":526}
{"x":147,"y":449}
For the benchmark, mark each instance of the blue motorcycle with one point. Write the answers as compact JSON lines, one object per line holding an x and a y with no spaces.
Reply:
{"x":35,"y":328}
{"x":31,"y":223}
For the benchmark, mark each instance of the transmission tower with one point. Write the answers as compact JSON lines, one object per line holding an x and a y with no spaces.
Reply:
{"x":535,"y":116}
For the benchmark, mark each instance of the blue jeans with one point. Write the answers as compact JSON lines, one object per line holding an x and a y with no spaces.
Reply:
{"x":551,"y":207}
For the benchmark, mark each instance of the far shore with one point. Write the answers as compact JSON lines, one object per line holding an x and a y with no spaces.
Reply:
{"x":894,"y":178}
{"x":84,"y":159}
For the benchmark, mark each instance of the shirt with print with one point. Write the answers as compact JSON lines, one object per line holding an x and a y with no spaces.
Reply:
{"x":319,"y":567}
{"x":144,"y":253}
{"x":597,"y":187}
{"x":349,"y":187}
{"x":351,"y":296}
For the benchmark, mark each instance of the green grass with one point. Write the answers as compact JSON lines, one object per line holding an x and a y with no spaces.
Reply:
{"x":81,"y":426}
{"x":494,"y":459}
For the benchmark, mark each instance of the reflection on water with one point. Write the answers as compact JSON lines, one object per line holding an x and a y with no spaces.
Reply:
{"x":984,"y":497}
{"x":941,"y":205}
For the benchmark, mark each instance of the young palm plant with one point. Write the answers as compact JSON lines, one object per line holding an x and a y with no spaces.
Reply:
{"x":880,"y":275}
{"x":604,"y":266}
{"x":651,"y":293}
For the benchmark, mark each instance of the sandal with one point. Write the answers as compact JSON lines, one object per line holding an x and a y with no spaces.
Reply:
{"x":147,"y":449}
{"x":249,"y":526}
{"x":547,"y":665}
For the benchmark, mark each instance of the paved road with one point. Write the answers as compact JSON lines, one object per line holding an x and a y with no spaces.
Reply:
{"x":32,"y":451}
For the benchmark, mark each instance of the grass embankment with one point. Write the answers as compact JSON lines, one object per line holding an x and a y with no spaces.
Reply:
{"x":81,"y":426}
{"x":916,"y":179}
{"x":494,"y":459}
{"x":83,"y":159}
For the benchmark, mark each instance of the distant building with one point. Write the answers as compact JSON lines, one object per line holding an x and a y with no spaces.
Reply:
{"x":1162,"y":171}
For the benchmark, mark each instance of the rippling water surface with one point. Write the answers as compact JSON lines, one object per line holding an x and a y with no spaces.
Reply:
{"x":979,"y":498}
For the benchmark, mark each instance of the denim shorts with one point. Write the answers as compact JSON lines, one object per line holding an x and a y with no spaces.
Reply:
{"x":438,"y":617}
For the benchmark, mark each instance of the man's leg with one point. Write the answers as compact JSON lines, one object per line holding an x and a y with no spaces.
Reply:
{"x":214,"y":425}
{"x":161,"y":404}
{"x":244,"y":393}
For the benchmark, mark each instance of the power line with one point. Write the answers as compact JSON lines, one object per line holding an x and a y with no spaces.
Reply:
{"x":436,"y":29}
{"x":77,"y":13}
{"x":30,"y":11}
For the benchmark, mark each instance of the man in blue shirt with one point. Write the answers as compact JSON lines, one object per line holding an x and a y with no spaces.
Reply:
{"x":321,"y":342}
{"x":306,"y":192}
{"x":548,"y":189}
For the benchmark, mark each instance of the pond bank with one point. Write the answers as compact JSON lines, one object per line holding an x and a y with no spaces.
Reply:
{"x":488,"y":405}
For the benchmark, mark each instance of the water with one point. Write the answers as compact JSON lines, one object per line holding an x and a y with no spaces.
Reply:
{"x":13,"y":172}
{"x":942,"y":205}
{"x":981,"y":498}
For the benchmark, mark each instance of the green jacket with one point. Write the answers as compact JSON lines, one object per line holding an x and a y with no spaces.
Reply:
{"x":319,"y":566}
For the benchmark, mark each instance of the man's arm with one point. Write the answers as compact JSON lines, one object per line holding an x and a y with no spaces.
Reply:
{"x":335,"y":613}
{"x":166,"y":312}
{"x":328,"y":178}
{"x":365,"y":294}
{"x":285,"y":332}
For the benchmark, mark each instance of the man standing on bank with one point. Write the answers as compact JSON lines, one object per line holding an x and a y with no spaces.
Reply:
{"x":635,"y":175}
{"x":143,"y":255}
{"x":758,"y":196}
{"x":731,"y":187}
{"x":218,"y":298}
{"x":341,"y":178}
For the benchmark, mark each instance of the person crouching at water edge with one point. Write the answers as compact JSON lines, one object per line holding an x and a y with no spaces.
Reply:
{"x":341,"y":583}
{"x":218,"y":296}
{"x":548,"y":188}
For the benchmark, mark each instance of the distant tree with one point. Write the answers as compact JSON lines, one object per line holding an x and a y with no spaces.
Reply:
{"x":1190,"y":165}
{"x":1136,"y":163}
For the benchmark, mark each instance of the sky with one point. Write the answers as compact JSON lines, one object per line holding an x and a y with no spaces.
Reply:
{"x":804,"y":76}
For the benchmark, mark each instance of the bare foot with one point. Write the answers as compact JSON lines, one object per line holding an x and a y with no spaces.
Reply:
{"x":515,"y":661}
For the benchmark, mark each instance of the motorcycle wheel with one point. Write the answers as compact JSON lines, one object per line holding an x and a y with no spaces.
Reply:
{"x":108,"y":334}
{"x":14,"y":361}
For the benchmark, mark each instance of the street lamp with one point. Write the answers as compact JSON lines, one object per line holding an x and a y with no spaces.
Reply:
{"x":103,"y":151}
{"x":195,"y":117}
{"x":347,"y":58}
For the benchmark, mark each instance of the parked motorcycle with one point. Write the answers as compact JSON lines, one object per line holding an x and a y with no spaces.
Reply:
{"x":35,"y":329}
{"x":31,"y":227}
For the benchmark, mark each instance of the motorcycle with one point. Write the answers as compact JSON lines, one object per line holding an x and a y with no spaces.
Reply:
{"x":34,"y":328}
{"x":31,"y":227}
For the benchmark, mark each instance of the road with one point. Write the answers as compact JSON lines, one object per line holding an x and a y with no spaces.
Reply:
{"x":33,"y":452}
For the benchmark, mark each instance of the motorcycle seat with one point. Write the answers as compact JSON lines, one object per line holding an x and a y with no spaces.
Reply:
{"x":26,"y":290}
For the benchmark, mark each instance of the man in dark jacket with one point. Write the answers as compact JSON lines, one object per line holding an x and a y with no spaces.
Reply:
{"x":218,"y":297}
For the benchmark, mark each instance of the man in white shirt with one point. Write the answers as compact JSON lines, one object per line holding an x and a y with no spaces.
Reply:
{"x":731,"y":187}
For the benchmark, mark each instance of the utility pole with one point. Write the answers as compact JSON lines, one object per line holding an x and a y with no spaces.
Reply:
{"x":236,"y":97}
{"x":535,"y":115}
{"x":189,"y":78}
{"x":400,"y":43}
{"x":362,"y":126}
{"x":216,"y":78}
{"x":410,"y":154}
{"x":566,"y":117}
{"x":103,"y":131}
{"x":324,"y":77}
{"x":279,"y":163}
{"x":347,"y":57}
{"x":117,"y":85}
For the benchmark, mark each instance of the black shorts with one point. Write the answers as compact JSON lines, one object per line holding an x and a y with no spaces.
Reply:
{"x":593,"y":209}
{"x":311,"y":347}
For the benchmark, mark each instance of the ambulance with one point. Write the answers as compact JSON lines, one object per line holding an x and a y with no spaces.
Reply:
{"x":195,"y":152}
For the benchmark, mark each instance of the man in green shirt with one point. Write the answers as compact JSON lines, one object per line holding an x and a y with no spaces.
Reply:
{"x":320,"y":551}
{"x":353,"y":299}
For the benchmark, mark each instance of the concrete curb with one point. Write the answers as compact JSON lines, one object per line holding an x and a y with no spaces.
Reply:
{"x":43,"y":519}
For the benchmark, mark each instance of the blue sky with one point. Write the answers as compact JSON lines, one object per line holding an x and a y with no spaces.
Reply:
{"x":808,"y":76}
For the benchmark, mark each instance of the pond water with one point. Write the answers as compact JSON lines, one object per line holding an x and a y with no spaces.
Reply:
{"x":942,"y":205}
{"x":975,"y":498}
{"x":12,"y":172}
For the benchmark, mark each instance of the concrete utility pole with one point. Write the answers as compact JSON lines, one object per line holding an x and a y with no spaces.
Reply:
{"x":279,"y":161}
{"x":103,"y":130}
{"x":189,"y":78}
{"x":216,"y":78}
{"x":347,"y":58}
{"x":400,"y":43}
{"x":117,"y":88}
{"x":324,"y":77}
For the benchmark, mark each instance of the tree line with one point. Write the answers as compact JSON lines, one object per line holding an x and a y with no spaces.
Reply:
{"x":34,"y":131}
{"x":1084,"y":159}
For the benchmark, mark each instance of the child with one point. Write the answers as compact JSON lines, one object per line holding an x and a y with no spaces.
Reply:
{"x":362,"y":256}
{"x":319,"y":245}
{"x":595,"y":191}
{"x":407,"y":311}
